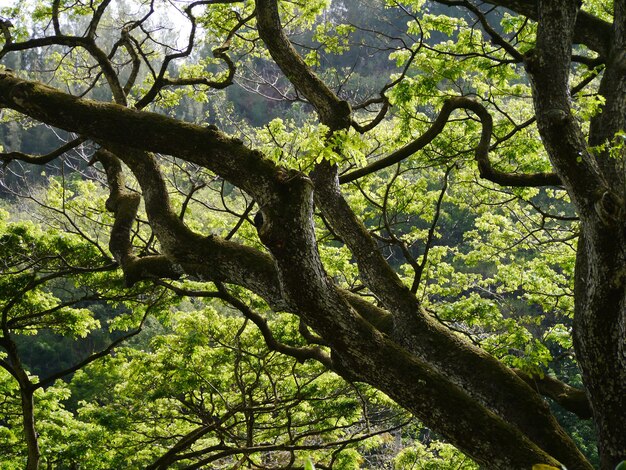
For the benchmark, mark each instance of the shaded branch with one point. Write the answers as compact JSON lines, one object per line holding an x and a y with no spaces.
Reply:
{"x":122,"y":202}
{"x":41,"y":159}
{"x":301,"y":354}
{"x":589,"y":30}
{"x":570,"y":398}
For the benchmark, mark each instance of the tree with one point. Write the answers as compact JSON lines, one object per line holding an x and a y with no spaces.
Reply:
{"x":211,"y":393}
{"x":215,"y":392}
{"x":304,"y":188}
{"x":52,"y":280}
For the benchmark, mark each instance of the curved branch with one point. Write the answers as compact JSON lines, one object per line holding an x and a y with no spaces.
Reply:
{"x":226,"y":451}
{"x":299,"y":353}
{"x":41,"y":159}
{"x":186,"y":441}
{"x":333,"y":112}
{"x":124,"y":204}
{"x":481,"y":154}
{"x":161,"y":81}
{"x":363,"y":128}
{"x":382,"y":99}
{"x":219,"y":53}
{"x":205,"y":146}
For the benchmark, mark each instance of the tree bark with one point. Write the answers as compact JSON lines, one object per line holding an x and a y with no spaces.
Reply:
{"x":15,"y":368}
{"x":30,"y":434}
{"x":471,"y":399}
{"x":295,"y":279}
{"x":599,"y":332}
{"x":596,"y":186}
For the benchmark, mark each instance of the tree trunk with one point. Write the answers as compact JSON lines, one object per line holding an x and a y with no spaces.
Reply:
{"x":30,"y":434}
{"x":470,"y":398}
{"x":599,"y":335}
{"x":596,"y":185}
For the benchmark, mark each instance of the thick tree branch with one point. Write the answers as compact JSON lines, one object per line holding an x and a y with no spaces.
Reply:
{"x":481,"y":153}
{"x":14,"y":366}
{"x":5,"y":27}
{"x":186,"y":251}
{"x":482,"y":411}
{"x":427,"y":339}
{"x":124,"y":204}
{"x":95,"y":20}
{"x":548,"y":67}
{"x":333,"y":112}
{"x":612,"y":119}
{"x":110,"y":123}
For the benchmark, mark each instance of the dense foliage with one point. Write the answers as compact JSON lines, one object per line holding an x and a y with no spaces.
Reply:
{"x":335,"y":215}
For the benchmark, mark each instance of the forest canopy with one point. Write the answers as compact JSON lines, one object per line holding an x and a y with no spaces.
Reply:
{"x":313,"y":234}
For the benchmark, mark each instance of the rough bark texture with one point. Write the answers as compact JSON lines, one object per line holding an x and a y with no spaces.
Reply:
{"x":491,"y":412}
{"x":596,"y":187}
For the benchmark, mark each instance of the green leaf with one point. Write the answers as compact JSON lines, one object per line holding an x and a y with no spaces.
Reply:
{"x":621,"y":465}
{"x":308,"y":465}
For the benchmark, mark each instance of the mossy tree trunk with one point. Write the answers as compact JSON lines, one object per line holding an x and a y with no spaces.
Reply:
{"x":478,"y":404}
